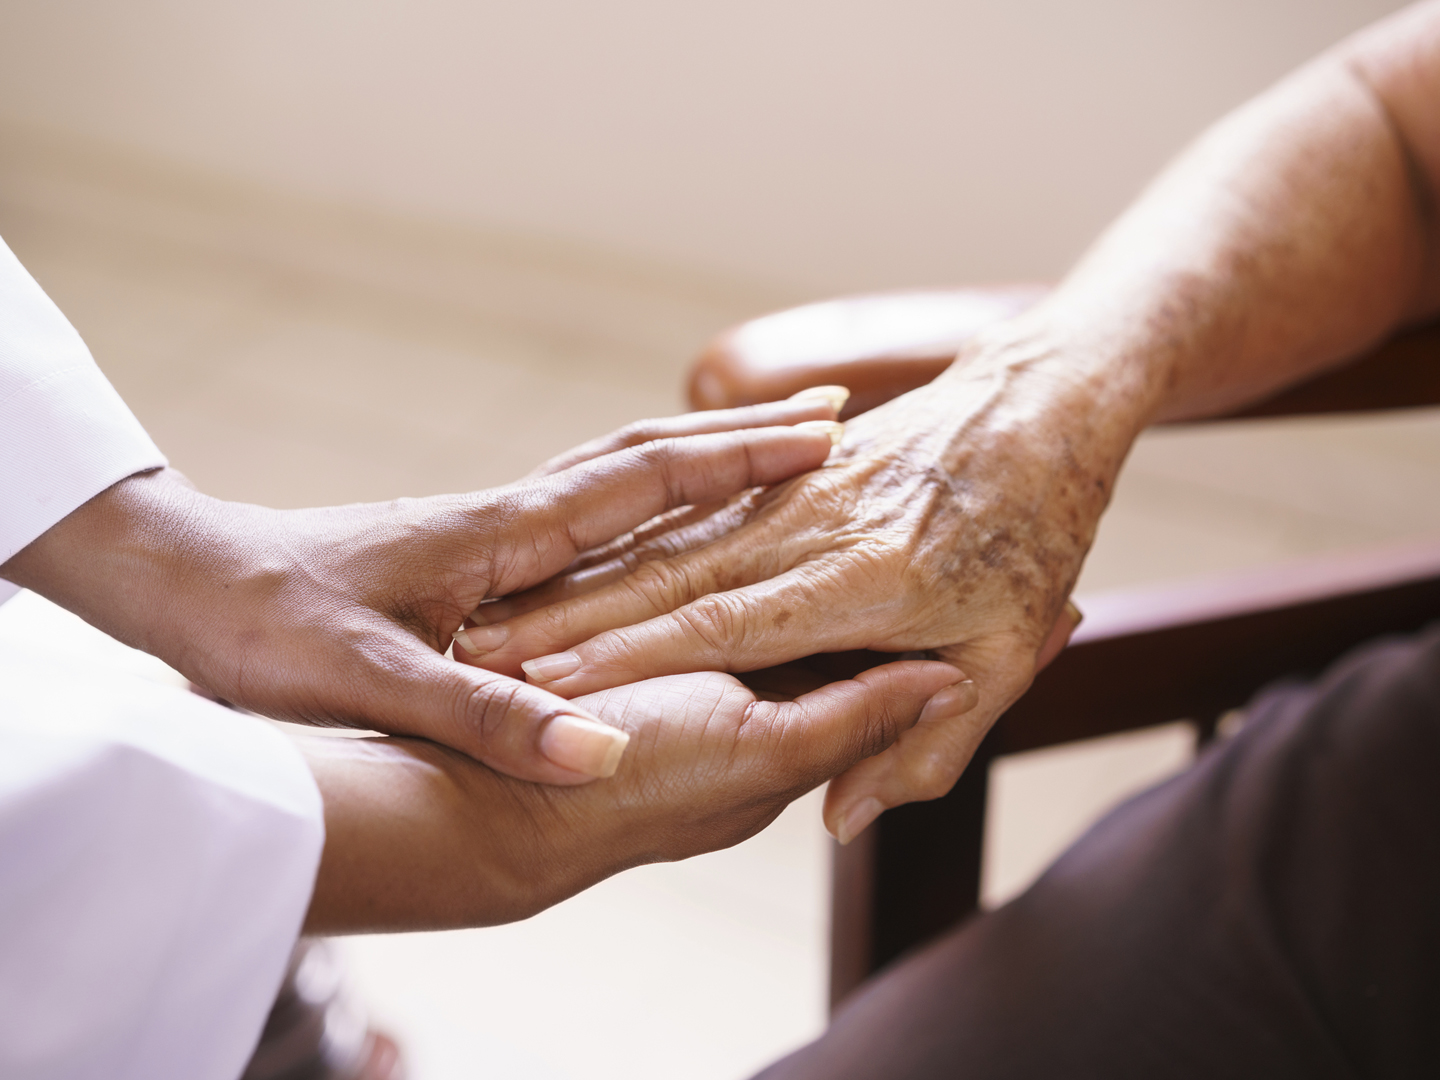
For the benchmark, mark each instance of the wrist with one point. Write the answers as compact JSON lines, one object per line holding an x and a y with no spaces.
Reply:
{"x":124,"y":560}
{"x":1060,"y":364}
{"x":419,"y":837}
{"x":1031,"y":389}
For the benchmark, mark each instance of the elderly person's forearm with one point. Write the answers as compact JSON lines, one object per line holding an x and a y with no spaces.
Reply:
{"x":956,"y":518}
{"x":1295,"y":233}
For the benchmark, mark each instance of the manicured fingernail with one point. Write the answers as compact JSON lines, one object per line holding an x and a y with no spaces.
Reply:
{"x":550,"y":668}
{"x":1076,"y":615}
{"x":492,"y":611}
{"x":479,"y":640}
{"x":833,"y":428}
{"x":583,"y":745}
{"x":952,"y":701}
{"x":858,"y":818}
{"x":837,"y":396}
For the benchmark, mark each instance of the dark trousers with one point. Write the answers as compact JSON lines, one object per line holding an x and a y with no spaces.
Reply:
{"x":1272,"y":912}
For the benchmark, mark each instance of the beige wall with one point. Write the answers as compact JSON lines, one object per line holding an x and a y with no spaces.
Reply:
{"x":814,"y":145}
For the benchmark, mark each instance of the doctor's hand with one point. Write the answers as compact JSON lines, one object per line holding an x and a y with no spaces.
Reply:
{"x":418,"y":837}
{"x":343,"y":615}
{"x":952,"y":519}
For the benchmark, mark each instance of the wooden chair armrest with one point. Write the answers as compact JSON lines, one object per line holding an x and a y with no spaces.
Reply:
{"x":1197,"y":649}
{"x":885,"y":344}
{"x":1191,"y":651}
{"x":880,"y":346}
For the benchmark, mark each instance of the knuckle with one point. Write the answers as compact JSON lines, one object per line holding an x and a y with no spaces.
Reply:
{"x":661,"y":584}
{"x":826,"y":493}
{"x":635,"y":433}
{"x":875,"y":737}
{"x":485,"y":710}
{"x":929,"y":776}
{"x":715,"y":621}
{"x":685,"y":469}
{"x":661,"y":457}
{"x":547,"y":624}
{"x":888,"y":716}
{"x":885,"y":727}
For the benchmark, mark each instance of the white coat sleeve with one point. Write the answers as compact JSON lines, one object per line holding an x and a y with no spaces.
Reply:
{"x":157,"y":855}
{"x":65,"y":434}
{"x":157,"y":851}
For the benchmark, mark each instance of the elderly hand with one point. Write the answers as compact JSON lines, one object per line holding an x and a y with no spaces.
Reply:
{"x":419,"y":837}
{"x":343,"y":614}
{"x":952,"y":519}
{"x":1298,"y":232}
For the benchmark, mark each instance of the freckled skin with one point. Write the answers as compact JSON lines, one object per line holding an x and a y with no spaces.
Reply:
{"x":955,"y":519}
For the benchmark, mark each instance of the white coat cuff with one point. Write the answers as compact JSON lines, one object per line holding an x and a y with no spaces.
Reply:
{"x":67,"y":437}
{"x":159,"y":854}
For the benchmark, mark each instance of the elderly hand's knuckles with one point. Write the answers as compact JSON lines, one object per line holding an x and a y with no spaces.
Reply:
{"x":636,"y":433}
{"x":716,"y":622}
{"x":928,"y":775}
{"x":826,"y":497}
{"x":662,"y":585}
{"x":704,"y":528}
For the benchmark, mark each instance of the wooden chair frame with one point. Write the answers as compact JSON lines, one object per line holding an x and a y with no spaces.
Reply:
{"x":1141,"y":658}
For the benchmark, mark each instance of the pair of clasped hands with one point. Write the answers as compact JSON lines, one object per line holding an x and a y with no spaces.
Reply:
{"x":597,"y":609}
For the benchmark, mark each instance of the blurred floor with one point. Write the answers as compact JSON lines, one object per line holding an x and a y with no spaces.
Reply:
{"x":295,"y":355}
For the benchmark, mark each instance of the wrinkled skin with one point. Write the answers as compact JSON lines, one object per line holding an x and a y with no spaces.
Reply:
{"x":952,"y":520}
{"x":342,"y":615}
{"x":1298,"y":232}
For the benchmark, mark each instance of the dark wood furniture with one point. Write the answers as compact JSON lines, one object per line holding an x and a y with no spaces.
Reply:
{"x":1193,"y":651}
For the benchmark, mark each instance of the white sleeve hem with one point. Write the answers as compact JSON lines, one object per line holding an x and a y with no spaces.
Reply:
{"x":68,"y":437}
{"x":160,"y":852}
{"x":65,"y":434}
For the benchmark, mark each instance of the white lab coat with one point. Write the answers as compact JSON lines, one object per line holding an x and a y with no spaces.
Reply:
{"x":157,"y":851}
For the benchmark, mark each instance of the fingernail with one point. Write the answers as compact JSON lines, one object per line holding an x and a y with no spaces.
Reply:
{"x":858,"y":818}
{"x":583,"y":745}
{"x":837,"y":396}
{"x":479,"y":640}
{"x":952,"y":701}
{"x":550,"y":668}
{"x":492,"y":611}
{"x":833,"y":428}
{"x":1076,"y":615}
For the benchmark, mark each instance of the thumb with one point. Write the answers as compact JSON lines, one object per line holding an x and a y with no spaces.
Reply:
{"x":544,"y":523}
{"x":517,"y":729}
{"x":827,"y":731}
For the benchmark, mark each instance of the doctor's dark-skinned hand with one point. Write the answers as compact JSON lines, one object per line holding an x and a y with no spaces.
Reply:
{"x":419,"y":837}
{"x":342,"y":615}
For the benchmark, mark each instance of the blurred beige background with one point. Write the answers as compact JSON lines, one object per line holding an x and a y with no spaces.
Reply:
{"x":347,"y":251}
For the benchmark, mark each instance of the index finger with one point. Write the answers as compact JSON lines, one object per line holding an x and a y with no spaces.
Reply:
{"x":773,"y":621}
{"x":833,"y":727}
{"x":541,"y":525}
{"x":817,"y":403}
